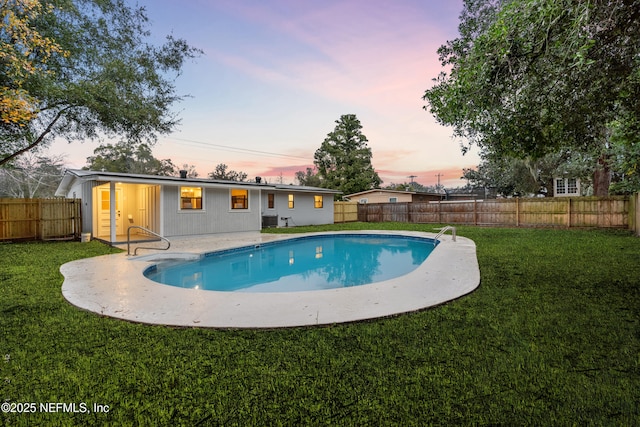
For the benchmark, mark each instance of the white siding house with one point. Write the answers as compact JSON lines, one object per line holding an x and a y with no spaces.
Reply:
{"x":173,"y":206}
{"x":381,"y":196}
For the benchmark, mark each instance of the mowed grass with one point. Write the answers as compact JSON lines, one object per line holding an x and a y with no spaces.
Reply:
{"x":551,"y":337}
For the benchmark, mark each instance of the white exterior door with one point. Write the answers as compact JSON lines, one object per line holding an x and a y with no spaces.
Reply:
{"x":104,"y":212}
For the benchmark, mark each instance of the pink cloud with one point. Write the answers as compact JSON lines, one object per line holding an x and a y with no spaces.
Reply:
{"x":333,"y":49}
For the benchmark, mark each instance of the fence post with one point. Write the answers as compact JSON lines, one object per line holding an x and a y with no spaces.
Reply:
{"x":40,"y":220}
{"x":517,"y":211}
{"x":568,"y":212}
{"x":475,"y":212}
{"x":634,"y":213}
{"x":77,"y":204}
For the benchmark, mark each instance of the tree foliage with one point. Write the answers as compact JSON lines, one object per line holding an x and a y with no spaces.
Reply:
{"x":510,"y":176}
{"x":532,"y":77}
{"x":95,"y":75}
{"x":625,"y":150}
{"x":343,"y":160}
{"x":24,"y":52}
{"x":309,"y":178}
{"x":127,"y":158}
{"x":222,"y":172}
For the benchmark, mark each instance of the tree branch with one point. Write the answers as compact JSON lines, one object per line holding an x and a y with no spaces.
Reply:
{"x":38,"y":140}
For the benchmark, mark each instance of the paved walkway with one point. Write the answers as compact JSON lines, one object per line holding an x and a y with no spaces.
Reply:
{"x":114,"y":285}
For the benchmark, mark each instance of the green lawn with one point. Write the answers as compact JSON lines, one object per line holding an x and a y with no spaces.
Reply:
{"x":551,"y":337}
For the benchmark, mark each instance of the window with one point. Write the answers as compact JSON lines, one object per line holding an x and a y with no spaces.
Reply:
{"x":271,"y":200}
{"x":239,"y":199}
{"x":106,"y":200}
{"x":190,"y":198}
{"x":566,"y":187}
{"x":317,"y":202}
{"x":393,"y":200}
{"x":290,"y":201}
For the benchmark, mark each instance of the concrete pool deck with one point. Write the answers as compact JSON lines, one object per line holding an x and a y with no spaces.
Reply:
{"x":114,"y":286}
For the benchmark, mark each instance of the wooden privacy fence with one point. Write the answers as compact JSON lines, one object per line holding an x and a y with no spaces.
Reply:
{"x":606,"y":212}
{"x":345,"y":211}
{"x":40,"y":219}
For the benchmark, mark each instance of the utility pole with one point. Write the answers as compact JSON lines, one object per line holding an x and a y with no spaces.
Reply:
{"x":411,"y":185}
{"x":438,"y":186}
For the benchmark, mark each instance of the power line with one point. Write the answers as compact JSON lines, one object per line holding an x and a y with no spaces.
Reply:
{"x":237,"y":149}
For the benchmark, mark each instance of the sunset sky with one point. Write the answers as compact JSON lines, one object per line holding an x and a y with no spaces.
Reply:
{"x":277,"y":74}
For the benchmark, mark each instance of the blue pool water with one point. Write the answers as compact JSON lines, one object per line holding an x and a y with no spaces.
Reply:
{"x":300,"y":264}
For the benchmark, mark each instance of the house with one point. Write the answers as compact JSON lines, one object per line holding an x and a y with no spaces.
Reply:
{"x":379,"y":195}
{"x":179,"y":206}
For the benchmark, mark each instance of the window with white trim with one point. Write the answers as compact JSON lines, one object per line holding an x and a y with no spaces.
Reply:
{"x":239,"y":199}
{"x":191,"y":198}
{"x":564,"y":187}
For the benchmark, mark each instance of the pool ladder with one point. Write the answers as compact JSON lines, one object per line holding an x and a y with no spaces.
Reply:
{"x":146,"y":230}
{"x":444,"y":230}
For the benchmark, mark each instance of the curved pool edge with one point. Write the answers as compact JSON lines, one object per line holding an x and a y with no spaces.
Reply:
{"x":114,"y":286}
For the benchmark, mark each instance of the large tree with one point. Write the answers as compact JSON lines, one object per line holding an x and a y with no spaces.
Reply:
{"x":89,"y":72}
{"x":532,"y":77}
{"x":343,"y":160}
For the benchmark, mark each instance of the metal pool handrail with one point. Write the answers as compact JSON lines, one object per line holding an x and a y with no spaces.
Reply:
{"x":444,"y":230}
{"x":135,"y":252}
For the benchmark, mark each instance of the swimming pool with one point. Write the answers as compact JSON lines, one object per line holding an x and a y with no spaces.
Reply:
{"x":300,"y":264}
{"x":115,"y":286}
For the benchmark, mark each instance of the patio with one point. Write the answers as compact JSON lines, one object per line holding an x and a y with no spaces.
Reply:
{"x":114,"y":285}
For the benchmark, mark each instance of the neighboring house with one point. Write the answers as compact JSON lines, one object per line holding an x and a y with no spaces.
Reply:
{"x":380,"y":196}
{"x":566,"y":187}
{"x":392,"y":196}
{"x":179,"y":206}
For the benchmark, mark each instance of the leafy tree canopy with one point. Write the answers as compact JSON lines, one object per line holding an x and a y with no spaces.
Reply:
{"x":625,"y":148}
{"x":532,"y":77}
{"x":23,"y":52}
{"x":127,"y":158}
{"x":309,"y":178}
{"x":343,"y":160}
{"x":83,"y":69}
{"x":222,"y":172}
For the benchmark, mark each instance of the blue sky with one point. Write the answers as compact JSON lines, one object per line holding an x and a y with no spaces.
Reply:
{"x":276,"y":75}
